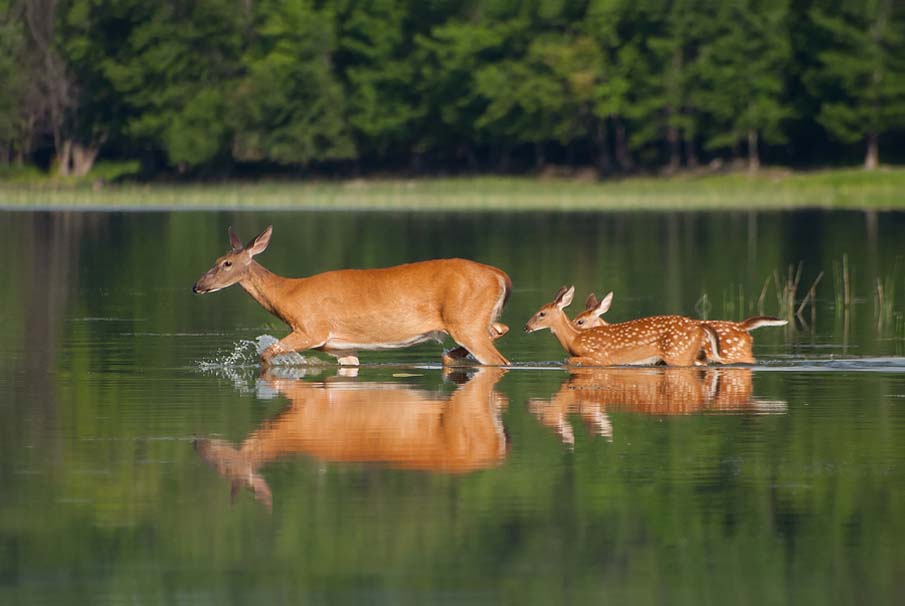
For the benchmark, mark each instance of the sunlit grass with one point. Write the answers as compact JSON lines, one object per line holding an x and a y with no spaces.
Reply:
{"x":851,"y":188}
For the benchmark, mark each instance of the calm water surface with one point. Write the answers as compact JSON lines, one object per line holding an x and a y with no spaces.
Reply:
{"x":145,"y":458}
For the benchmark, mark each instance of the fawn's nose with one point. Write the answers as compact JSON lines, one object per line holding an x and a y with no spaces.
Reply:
{"x":195,"y":289}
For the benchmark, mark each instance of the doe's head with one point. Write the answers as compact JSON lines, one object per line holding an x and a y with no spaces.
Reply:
{"x":546,"y":315}
{"x":593,"y":309}
{"x":233,"y":266}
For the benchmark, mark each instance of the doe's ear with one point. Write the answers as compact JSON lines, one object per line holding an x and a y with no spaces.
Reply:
{"x":259,"y":244}
{"x":564,"y":298}
{"x":234,"y":240}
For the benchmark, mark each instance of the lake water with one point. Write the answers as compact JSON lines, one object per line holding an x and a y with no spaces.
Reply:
{"x":145,"y":458}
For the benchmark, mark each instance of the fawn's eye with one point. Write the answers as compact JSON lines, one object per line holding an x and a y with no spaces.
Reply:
{"x":227,"y":264}
{"x":580,"y":322}
{"x":541,"y":315}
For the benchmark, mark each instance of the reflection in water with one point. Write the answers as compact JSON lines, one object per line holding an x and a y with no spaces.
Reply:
{"x":351,"y":421}
{"x":590,"y":392}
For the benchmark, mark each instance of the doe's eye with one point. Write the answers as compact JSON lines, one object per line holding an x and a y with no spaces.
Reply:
{"x":227,"y":264}
{"x":541,"y":315}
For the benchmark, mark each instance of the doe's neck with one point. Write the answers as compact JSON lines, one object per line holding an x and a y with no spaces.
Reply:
{"x":263,"y":286}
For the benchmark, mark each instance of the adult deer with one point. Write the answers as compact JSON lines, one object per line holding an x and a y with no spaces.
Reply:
{"x":736,"y":343}
{"x":352,"y":421}
{"x":345,"y":311}
{"x":673,"y":340}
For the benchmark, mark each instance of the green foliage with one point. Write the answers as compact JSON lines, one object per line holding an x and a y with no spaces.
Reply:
{"x":289,"y":106}
{"x":861,"y":69}
{"x":12,"y":82}
{"x":386,"y":83}
{"x":382,"y":104}
{"x":741,"y":72}
{"x":177,"y":61}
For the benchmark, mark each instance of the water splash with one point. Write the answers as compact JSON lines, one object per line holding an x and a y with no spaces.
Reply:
{"x":246,"y":353}
{"x":243,"y":354}
{"x":240,"y":364}
{"x":236,"y":366}
{"x":290,"y":358}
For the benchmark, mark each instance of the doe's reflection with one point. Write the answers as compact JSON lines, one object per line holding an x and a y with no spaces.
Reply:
{"x":591,"y":392}
{"x":352,"y":421}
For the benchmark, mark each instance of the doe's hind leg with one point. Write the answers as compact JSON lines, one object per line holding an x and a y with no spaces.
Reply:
{"x":479,"y":344}
{"x":453,"y":356}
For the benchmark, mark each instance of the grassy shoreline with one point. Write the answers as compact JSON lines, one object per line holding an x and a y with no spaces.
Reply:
{"x":843,"y":189}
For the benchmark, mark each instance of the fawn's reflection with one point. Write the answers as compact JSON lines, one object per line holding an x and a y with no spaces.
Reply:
{"x":591,"y":392}
{"x":353,"y":421}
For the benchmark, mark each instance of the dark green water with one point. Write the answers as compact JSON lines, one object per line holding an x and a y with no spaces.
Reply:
{"x":144,"y":458}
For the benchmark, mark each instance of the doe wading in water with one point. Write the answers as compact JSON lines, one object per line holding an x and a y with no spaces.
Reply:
{"x":346,"y":311}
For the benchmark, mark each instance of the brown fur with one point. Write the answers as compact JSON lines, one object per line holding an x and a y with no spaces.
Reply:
{"x":591,"y":393}
{"x":368,"y":422}
{"x":735,"y":342}
{"x":344,"y":311}
{"x":673,"y":340}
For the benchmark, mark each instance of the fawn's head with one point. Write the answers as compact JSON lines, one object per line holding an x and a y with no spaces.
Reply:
{"x":547,"y":314}
{"x":593,"y":309}
{"x":233,"y":266}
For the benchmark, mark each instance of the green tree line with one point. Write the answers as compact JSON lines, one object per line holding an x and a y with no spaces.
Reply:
{"x":350,"y":86}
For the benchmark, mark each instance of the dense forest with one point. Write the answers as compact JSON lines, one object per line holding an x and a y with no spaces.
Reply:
{"x":245,"y":87}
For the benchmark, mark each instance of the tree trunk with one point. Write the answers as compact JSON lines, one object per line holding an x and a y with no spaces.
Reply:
{"x":64,"y":158}
{"x":416,"y":162}
{"x":83,"y":159}
{"x":570,"y":156}
{"x":753,"y":156}
{"x":675,"y":159}
{"x":540,"y":161}
{"x":505,"y":161}
{"x":872,"y":157}
{"x":673,"y":108}
{"x":604,"y":163}
{"x":691,"y":153}
{"x":622,"y":153}
{"x":471,"y":159}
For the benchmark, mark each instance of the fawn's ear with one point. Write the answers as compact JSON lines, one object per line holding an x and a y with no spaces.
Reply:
{"x":602,"y":307}
{"x":259,"y":243}
{"x":234,"y":240}
{"x":564,"y":297}
{"x":591,"y":302}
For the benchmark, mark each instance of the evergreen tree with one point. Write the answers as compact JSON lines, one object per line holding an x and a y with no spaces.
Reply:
{"x":176,"y":72}
{"x":12,"y":86}
{"x":861,"y":72}
{"x":741,"y":73}
{"x":374,"y":57}
{"x":289,"y":105}
{"x":642,"y":83}
{"x":609,"y":23}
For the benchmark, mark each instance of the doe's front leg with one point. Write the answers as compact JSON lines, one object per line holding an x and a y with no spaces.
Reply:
{"x":294,"y":341}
